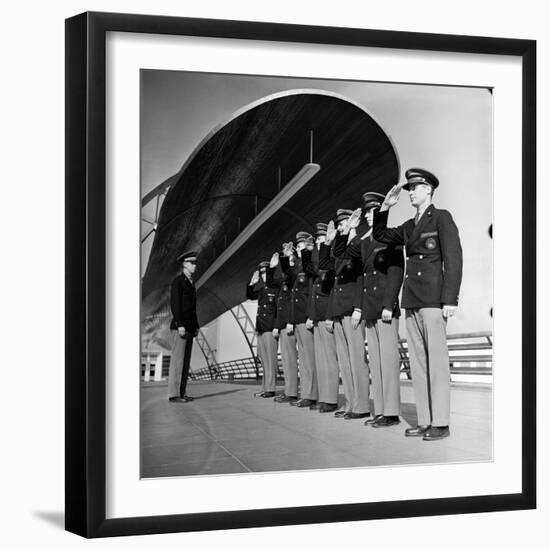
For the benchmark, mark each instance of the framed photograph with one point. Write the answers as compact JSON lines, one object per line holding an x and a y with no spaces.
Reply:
{"x":287,"y":301}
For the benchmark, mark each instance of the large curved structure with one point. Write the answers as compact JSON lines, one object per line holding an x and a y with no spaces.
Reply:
{"x":241,"y":170}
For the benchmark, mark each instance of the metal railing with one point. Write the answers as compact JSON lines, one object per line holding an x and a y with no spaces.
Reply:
{"x":469,"y":353}
{"x":247,"y":368}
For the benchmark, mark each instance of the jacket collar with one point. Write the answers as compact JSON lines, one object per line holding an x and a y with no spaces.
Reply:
{"x":187,"y":280}
{"x":422,"y":222}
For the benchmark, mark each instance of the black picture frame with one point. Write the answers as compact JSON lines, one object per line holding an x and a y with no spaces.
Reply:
{"x":86,"y":262}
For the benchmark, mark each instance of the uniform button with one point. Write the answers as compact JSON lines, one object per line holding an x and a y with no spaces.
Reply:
{"x":421,"y":257}
{"x":374,"y":288}
{"x":407,"y":276}
{"x":364,"y":290}
{"x":374,"y":272}
{"x":407,"y":257}
{"x":419,"y":273}
{"x":340,"y":289}
{"x":364,"y":274}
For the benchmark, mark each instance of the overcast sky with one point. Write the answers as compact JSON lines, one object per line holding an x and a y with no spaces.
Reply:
{"x":447,"y":130}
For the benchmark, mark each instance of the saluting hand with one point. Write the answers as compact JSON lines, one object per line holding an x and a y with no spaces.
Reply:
{"x":289,"y":328}
{"x":331,"y":232}
{"x":392,"y":197}
{"x":329,"y":323}
{"x":275,"y":333}
{"x":181,"y":332}
{"x":309,"y":324}
{"x":255,"y":277}
{"x":287,"y":248}
{"x":354,"y":219}
{"x":274,"y":260}
{"x":448,"y":311}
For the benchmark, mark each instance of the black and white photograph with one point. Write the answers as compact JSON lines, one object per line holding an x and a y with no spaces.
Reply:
{"x":316,"y":274}
{"x":274,"y":274}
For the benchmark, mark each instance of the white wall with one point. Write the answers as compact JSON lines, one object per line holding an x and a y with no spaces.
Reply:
{"x":32,"y":291}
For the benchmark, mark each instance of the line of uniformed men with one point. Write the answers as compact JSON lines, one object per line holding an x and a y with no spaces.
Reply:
{"x":322,"y":298}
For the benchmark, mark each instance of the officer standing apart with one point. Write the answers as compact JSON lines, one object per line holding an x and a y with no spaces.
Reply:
{"x":183,"y":303}
{"x":264,"y":288}
{"x":378,"y":300}
{"x":326,"y":361}
{"x":430,"y":295}
{"x":349,"y":329}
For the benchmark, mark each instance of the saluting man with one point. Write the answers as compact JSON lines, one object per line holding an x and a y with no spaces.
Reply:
{"x":301,"y":288}
{"x":326,"y":361}
{"x":183,"y":303}
{"x":349,"y":329}
{"x":430,"y":295}
{"x":264,"y":288}
{"x":287,"y":341}
{"x":378,"y":300}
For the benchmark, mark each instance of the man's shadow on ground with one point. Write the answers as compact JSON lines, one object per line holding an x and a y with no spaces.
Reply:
{"x":207,"y":395}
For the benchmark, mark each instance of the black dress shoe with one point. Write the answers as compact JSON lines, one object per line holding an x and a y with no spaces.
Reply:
{"x":373,"y":420}
{"x":386,"y":421}
{"x":437,"y":432}
{"x":340,"y":414}
{"x":305,"y":403}
{"x":183,"y":399}
{"x":353,"y":416}
{"x":285,"y":398}
{"x":268,"y":394}
{"x":419,"y":431}
{"x":328,"y":407}
{"x":316,"y":405}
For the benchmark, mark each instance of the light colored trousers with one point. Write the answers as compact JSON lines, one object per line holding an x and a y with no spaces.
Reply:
{"x":383,"y":341}
{"x":326,"y":362}
{"x":180,"y":361}
{"x":354,"y":369}
{"x":429,"y":358}
{"x":289,"y":357}
{"x":267,"y":352}
{"x":306,"y":361}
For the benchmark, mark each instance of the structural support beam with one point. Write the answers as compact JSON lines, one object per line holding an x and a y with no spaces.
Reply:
{"x":249,"y":332}
{"x":206,"y":348}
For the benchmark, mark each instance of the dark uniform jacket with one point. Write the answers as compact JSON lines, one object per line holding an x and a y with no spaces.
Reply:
{"x":183,"y":303}
{"x":434,"y":257}
{"x":266,"y":294}
{"x":382,"y":277}
{"x":284,"y":303}
{"x":300,"y":282}
{"x":322,"y":280}
{"x":348,"y":273}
